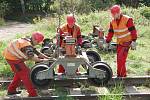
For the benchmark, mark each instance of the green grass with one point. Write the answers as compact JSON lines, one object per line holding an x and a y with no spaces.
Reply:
{"x":2,"y":92}
{"x":62,"y":93}
{"x":138,"y":62}
{"x":117,"y":89}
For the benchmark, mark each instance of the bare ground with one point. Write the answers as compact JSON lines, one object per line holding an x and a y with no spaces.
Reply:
{"x":11,"y":29}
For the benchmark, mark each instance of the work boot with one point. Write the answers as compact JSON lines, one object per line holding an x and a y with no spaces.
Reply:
{"x":12,"y":93}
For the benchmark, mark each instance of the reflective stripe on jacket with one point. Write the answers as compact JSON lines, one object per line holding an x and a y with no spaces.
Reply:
{"x":13,"y":51}
{"x":121,"y":30}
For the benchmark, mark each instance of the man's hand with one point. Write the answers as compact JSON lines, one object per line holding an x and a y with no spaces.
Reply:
{"x":106,"y":46}
{"x":133,"y":45}
{"x":44,"y":60}
{"x":41,"y":55}
{"x":37,"y":59}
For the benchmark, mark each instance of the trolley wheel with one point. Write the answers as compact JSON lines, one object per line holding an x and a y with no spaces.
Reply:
{"x":93,"y":56}
{"x":108,"y":73}
{"x":39,"y":83}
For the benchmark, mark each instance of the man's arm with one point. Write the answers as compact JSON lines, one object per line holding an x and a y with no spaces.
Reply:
{"x":132,"y":29}
{"x":30,"y":52}
{"x":110,"y":34}
{"x":60,"y":32}
{"x":79,"y":37}
{"x":36,"y":59}
{"x":40,"y":55}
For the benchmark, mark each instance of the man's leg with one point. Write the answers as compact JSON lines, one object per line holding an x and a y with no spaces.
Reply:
{"x":61,"y":69}
{"x":125,"y":54}
{"x":14,"y":84}
{"x":24,"y":76}
{"x":16,"y":80}
{"x":122,"y":53}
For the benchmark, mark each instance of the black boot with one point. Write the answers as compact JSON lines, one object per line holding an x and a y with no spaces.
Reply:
{"x":12,"y":93}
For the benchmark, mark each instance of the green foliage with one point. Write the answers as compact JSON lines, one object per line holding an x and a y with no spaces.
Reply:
{"x":2,"y":92}
{"x":81,"y":6}
{"x":62,"y":93}
{"x":139,"y":19}
{"x":145,"y":11}
{"x":3,"y":11}
{"x":4,"y":68}
{"x":47,"y":26}
{"x":3,"y":8}
{"x":86,"y":21}
{"x":117,"y":89}
{"x":2,"y":47}
{"x":12,"y":9}
{"x":5,"y":71}
{"x":145,"y":2}
{"x":2,"y":22}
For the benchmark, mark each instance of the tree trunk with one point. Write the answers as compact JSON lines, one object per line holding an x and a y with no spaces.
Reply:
{"x":22,"y":6}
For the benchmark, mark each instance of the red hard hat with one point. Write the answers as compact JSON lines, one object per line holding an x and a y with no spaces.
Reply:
{"x":70,"y":19}
{"x":38,"y":36}
{"x":116,"y":9}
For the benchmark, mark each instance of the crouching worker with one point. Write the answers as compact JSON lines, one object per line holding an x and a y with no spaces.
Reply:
{"x":16,"y":53}
{"x":69,"y":29}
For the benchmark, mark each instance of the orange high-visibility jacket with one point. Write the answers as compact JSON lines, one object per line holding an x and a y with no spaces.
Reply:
{"x":64,"y":29}
{"x":121,"y":30}
{"x":13,"y":51}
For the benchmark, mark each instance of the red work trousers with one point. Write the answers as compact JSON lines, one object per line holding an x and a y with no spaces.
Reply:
{"x":122,"y":53}
{"x":21,"y":74}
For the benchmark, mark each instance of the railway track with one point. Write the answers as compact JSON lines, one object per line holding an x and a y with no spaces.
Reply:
{"x":131,"y":96}
{"x":135,"y":80}
{"x":130,"y":85}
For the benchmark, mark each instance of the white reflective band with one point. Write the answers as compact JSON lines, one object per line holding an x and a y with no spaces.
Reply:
{"x":16,"y":52}
{"x":121,"y":30}
{"x":122,"y":36}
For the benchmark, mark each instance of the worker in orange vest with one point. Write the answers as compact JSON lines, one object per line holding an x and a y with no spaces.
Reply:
{"x":16,"y":53}
{"x":123,"y":28}
{"x":71,"y":28}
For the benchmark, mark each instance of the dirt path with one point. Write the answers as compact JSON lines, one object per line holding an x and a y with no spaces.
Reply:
{"x":11,"y":29}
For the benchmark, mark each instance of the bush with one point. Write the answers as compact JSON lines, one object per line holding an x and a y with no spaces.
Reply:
{"x":145,"y":11}
{"x":138,"y":18}
{"x":2,"y":22}
{"x":81,"y":6}
{"x":3,"y":8}
{"x":4,"y":68}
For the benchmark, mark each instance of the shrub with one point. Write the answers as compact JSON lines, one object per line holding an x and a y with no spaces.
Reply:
{"x":2,"y":22}
{"x":3,"y":8}
{"x":145,"y":11}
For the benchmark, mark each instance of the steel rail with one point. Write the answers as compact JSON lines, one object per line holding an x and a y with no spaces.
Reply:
{"x":126,"y":96}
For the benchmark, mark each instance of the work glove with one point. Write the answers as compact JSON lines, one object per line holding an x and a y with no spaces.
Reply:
{"x":106,"y":46}
{"x":45,"y":60}
{"x":133,"y":45}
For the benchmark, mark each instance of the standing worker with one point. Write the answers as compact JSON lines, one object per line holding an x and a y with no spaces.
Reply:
{"x":123,"y":28}
{"x":71,"y":29}
{"x":16,"y":53}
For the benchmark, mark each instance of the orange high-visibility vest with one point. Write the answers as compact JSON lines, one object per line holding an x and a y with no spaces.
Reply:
{"x":64,"y":28}
{"x":121,"y":30}
{"x":13,"y":51}
{"x":70,"y":49}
